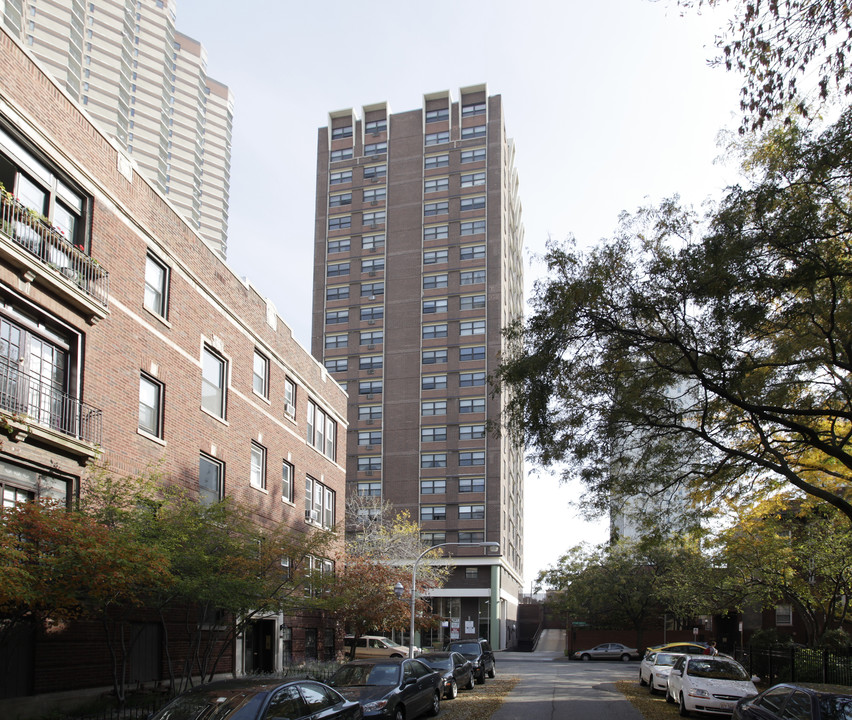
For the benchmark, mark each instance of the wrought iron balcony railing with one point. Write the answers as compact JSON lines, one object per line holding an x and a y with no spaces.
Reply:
{"x":30,"y":232}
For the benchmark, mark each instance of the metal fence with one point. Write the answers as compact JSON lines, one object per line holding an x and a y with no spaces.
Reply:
{"x":786,"y":663}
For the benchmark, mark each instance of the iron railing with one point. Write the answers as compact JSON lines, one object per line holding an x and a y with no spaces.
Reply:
{"x":30,"y":232}
{"x":37,"y":401}
{"x":793,"y":664}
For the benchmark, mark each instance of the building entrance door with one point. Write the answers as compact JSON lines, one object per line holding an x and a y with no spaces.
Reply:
{"x":260,"y":646}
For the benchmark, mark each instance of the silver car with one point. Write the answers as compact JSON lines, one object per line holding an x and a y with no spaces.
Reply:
{"x":608,"y":651}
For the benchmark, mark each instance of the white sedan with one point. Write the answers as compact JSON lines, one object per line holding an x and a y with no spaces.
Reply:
{"x":654,"y":670}
{"x":704,"y":683}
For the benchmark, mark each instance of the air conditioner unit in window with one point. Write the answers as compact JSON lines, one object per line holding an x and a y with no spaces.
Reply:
{"x":307,"y":516}
{"x":372,"y":273}
{"x":369,"y":472}
{"x":371,"y":347}
{"x":374,"y":179}
{"x":369,"y":396}
{"x":372,"y":227}
{"x":374,"y":202}
{"x":372,"y":250}
{"x":371,"y":372}
{"x":369,"y":421}
{"x":371,"y":322}
{"x":372,"y":297}
{"x":368,"y":447}
{"x":290,"y":409}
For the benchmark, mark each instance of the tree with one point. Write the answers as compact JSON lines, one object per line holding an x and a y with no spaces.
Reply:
{"x":712,"y":356}
{"x":772,"y":43}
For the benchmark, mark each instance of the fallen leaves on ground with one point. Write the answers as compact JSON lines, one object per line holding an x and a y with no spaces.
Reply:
{"x":481,"y":702}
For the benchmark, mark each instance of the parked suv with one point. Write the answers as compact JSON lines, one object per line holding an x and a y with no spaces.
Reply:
{"x":480,"y":655}
{"x":377,"y":646}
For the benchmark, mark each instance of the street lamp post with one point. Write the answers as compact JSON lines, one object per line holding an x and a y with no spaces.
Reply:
{"x":414,"y":580}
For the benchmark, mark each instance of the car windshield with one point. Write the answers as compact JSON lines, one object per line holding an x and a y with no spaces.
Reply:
{"x":665,"y":659}
{"x":207,"y":706}
{"x":389,"y":642}
{"x":466,"y":648}
{"x":440,"y":663}
{"x":717,"y":669}
{"x":366,"y":674}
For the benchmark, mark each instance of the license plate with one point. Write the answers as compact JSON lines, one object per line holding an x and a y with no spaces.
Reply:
{"x":726,"y":706}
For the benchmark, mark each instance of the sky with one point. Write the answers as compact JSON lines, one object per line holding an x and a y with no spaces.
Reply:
{"x":611,"y":104}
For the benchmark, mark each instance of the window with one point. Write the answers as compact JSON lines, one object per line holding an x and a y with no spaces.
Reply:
{"x":369,"y":412}
{"x":472,"y":405}
{"x":471,"y":573}
{"x":472,"y":302}
{"x":473,"y":109}
{"x":472,"y":203}
{"x":150,"y":405}
{"x":433,"y":382}
{"x":435,"y":306}
{"x":471,"y":432}
{"x":436,"y":208}
{"x":472,"y":327}
{"x":433,"y":487}
{"x":290,"y":395}
{"x":436,"y":232}
{"x":213,"y":378}
{"x":373,"y":265}
{"x":372,"y":242}
{"x":437,"y":115}
{"x":338,"y":246}
{"x":369,"y":387}
{"x":370,"y":362}
{"x":337,"y":365}
{"x":433,"y":512}
{"x":433,"y":460}
{"x":340,"y":340}
{"x":344,"y":131}
{"x":258,"y":466}
{"x":467,"y":459}
{"x":319,"y":503}
{"x":476,"y":352}
{"x":473,"y":179}
{"x":375,"y":171}
{"x":338,"y":178}
{"x":783,"y":614}
{"x":370,"y":437}
{"x":375,"y":148}
{"x":433,"y":538}
{"x":438,"y":433}
{"x":369,"y":463}
{"x":437,"y":138}
{"x":336,"y":317}
{"x":470,"y":156}
{"x":474,"y":227}
{"x":322,"y":430}
{"x":440,"y":184}
{"x":376,"y":126}
{"x":338,"y":292}
{"x":431,"y":357}
{"x":341,"y":222}
{"x":340,"y":199}
{"x":260,"y":375}
{"x":372,"y":312}
{"x":372,"y":289}
{"x":156,"y":286}
{"x":472,"y":252}
{"x":471,"y":537}
{"x":471,"y":512}
{"x":430,"y":332}
{"x":287,"y":481}
{"x":430,"y":282}
{"x":371,"y":337}
{"x":344,"y":154}
{"x":436,"y":161}
{"x":433,"y":407}
{"x":472,"y":277}
{"x":337,"y":269}
{"x":375,"y":194}
{"x":373,"y":218}
{"x":477,"y":131}
{"x":435,"y":257}
{"x":471,"y":484}
{"x":369,"y":489}
{"x":211,"y":473}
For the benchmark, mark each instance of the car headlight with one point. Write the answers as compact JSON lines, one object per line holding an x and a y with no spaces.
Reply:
{"x":375,"y":706}
{"x":699,"y":692}
{"x":663,"y":673}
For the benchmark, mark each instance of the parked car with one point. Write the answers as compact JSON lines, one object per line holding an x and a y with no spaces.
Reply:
{"x":456,"y":671}
{"x":374,"y":646}
{"x":259,"y":698}
{"x":687,"y":648}
{"x":710,"y":684}
{"x":797,"y":701}
{"x":608,"y":651}
{"x":396,"y":688}
{"x":654,"y":670}
{"x":480,"y":655}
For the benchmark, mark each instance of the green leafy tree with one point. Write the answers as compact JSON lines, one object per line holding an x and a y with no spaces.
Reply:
{"x":714,"y":356}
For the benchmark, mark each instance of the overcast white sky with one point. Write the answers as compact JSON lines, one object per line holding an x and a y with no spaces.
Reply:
{"x":610,"y":102}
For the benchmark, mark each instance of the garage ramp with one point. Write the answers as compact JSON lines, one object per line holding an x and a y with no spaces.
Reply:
{"x":551,"y":640}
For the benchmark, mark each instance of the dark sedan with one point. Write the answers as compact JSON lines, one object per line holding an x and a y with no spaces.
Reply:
{"x":396,"y":688}
{"x":456,"y":671}
{"x":480,"y":655}
{"x":795,"y":701}
{"x":261,"y":698}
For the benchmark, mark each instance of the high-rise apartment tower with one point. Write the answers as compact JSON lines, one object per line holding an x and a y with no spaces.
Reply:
{"x":418,"y":267}
{"x":147,"y":85}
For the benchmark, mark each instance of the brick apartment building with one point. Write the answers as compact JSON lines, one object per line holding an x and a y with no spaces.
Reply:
{"x":417,"y":269}
{"x":139,"y":345}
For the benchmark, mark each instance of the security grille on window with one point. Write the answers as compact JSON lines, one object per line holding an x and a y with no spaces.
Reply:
{"x":213,"y":378}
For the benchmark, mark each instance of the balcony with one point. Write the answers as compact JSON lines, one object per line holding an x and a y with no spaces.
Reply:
{"x":31,"y":245}
{"x":31,"y":407}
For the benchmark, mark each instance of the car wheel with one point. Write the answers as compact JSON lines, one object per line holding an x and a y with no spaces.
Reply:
{"x":585,"y":657}
{"x":642,"y":683}
{"x":399,"y":713}
{"x":453,"y":690}
{"x":651,"y":685}
{"x":669,"y":698}
{"x":470,"y":682}
{"x":480,"y":677}
{"x":493,"y":671}
{"x":396,"y":655}
{"x":625,"y":658}
{"x":435,"y":708}
{"x":683,"y":711}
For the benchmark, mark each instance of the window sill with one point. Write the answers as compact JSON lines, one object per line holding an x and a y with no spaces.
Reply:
{"x":259,"y":489}
{"x":288,"y":502}
{"x":215,"y":417}
{"x":261,"y":397}
{"x":157,"y":317}
{"x":149,"y":436}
